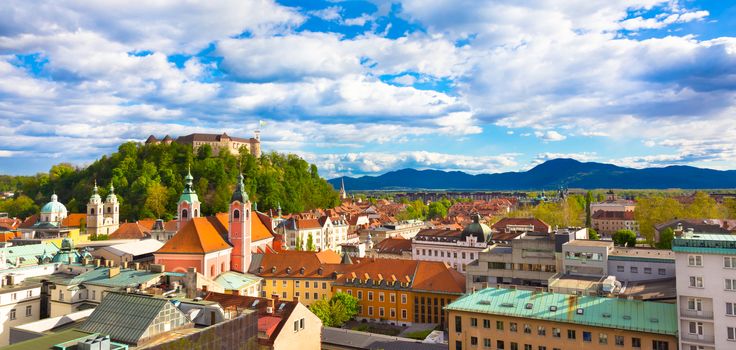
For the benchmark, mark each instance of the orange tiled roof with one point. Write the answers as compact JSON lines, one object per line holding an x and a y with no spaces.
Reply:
{"x":431,"y":276}
{"x":29,"y":221}
{"x":74,"y":219}
{"x":148,"y":224}
{"x":393,"y":245}
{"x":258,"y":229}
{"x":7,"y":236}
{"x":198,"y":236}
{"x":9,"y":223}
{"x":290,"y":263}
{"x":539,"y":225}
{"x":129,"y":230}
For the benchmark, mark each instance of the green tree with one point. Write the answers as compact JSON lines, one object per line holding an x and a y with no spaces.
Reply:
{"x":298,"y":243}
{"x":624,"y":238}
{"x":588,"y":201}
{"x":310,"y":243}
{"x":157,"y":196}
{"x":334,"y":312}
{"x":437,"y":210}
{"x":665,"y":238}
{"x":204,"y":152}
{"x":703,"y":206}
{"x":654,"y":210}
{"x":20,"y":207}
{"x":593,"y":234}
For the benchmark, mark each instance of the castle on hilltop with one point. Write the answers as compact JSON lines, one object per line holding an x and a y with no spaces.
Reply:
{"x":216,"y":141}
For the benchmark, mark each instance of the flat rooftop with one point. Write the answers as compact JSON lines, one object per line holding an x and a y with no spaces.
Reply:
{"x":641,"y":253}
{"x":589,"y":243}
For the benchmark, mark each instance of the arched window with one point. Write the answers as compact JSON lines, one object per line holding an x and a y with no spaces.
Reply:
{"x":236,"y":214}
{"x":109,"y":210}
{"x":92,"y":211}
{"x":184,"y":214}
{"x":195,"y":213}
{"x":247,"y":214}
{"x":212,"y":271}
{"x":222,"y":267}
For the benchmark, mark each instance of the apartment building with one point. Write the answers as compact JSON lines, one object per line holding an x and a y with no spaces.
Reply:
{"x":307,"y":276}
{"x":401,"y":292}
{"x":511,"y":319}
{"x":454,"y":247}
{"x":706,"y":290}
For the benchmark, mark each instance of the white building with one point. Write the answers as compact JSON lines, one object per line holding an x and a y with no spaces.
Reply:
{"x":706,"y":290}
{"x":324,"y":233}
{"x":454,"y":247}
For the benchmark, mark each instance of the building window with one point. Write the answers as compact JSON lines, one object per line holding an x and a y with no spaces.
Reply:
{"x":730,"y":284}
{"x":297,"y":284}
{"x":634,"y":269}
{"x":486,"y":343}
{"x":636,"y":343}
{"x":392,"y":297}
{"x":30,"y":293}
{"x":380,"y":296}
{"x":360,"y":295}
{"x":61,"y":295}
{"x":473,"y":322}
{"x":512,"y":326}
{"x":474,"y":341}
{"x":499,"y":325}
{"x":660,"y":345}
{"x":695,"y":260}
{"x":392,"y":313}
{"x":94,"y":295}
{"x":370,"y":311}
{"x":697,"y":282}
{"x":380,"y":312}
{"x":236,"y":214}
{"x":619,"y":268}
{"x":403,"y":298}
{"x":695,"y":328}
{"x":458,"y":324}
{"x":403,"y":314}
{"x":458,"y":345}
{"x":283,"y":284}
{"x":29,"y":310}
{"x":587,"y":337}
{"x":499,"y":345}
{"x":514,"y":346}
{"x":556,"y":333}
{"x":184,"y":214}
{"x":571,"y":334}
{"x":370,"y":296}
{"x":527,"y":328}
{"x":729,"y":262}
{"x":541,"y":331}
{"x":730,"y":332}
{"x":694,"y":304}
{"x":316,"y":295}
{"x":603,"y":338}
{"x":730,"y":310}
{"x":12,"y":314}
{"x":647,"y":270}
{"x":486,"y":323}
{"x":283,"y":295}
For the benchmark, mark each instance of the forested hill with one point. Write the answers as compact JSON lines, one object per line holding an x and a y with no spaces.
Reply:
{"x":149,"y":178}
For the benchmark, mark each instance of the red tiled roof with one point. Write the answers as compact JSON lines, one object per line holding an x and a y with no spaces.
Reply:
{"x":539,"y":225}
{"x":268,"y":324}
{"x":9,"y":223}
{"x":198,"y":236}
{"x":74,"y":219}
{"x":129,"y":230}
{"x":393,"y":245}
{"x":431,"y":276}
{"x":613,"y":215}
{"x":290,"y":264}
{"x":29,"y":221}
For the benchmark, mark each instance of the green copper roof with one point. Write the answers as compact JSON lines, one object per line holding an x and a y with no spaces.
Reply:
{"x":54,"y":206}
{"x":634,"y":315}
{"x":705,"y":243}
{"x":188,"y":195}
{"x":232,"y":280}
{"x":26,"y":255}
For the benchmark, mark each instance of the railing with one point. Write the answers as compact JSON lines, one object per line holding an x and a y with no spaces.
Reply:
{"x":703,"y":315}
{"x":699,"y":339}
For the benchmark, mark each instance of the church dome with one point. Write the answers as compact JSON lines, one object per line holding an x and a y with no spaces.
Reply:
{"x":480,"y":231}
{"x":54,"y":207}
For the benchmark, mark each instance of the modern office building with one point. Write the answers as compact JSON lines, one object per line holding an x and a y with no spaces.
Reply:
{"x":706,"y":290}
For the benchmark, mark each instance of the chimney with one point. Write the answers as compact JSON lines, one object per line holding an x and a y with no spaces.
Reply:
{"x":125,"y":264}
{"x":296,"y":298}
{"x":113,"y":271}
{"x":97,"y":262}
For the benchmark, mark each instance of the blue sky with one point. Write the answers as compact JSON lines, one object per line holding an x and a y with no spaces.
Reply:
{"x":365,"y":87}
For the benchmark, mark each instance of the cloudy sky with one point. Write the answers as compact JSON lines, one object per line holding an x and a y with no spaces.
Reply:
{"x":364,"y":87}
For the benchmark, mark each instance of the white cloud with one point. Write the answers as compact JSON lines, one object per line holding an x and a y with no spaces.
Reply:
{"x":331,"y":13}
{"x":550,"y":135}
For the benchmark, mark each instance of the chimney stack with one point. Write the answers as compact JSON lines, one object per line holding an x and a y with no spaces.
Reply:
{"x":98,"y":262}
{"x":137,"y":266}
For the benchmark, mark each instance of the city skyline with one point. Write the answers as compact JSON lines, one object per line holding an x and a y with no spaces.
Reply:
{"x":369,"y":87}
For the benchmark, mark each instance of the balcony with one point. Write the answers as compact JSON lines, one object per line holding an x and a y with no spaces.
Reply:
{"x":698,"y":339}
{"x":699,"y":315}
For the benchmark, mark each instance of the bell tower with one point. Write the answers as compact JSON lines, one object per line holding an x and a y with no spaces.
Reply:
{"x":188,"y":205}
{"x":95,"y":218}
{"x":239,"y":235}
{"x":112,"y":212}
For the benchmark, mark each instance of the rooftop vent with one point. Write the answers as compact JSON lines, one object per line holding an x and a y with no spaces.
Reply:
{"x":484,"y":302}
{"x":507,"y":305}
{"x":528,"y":306}
{"x":627,"y":317}
{"x":580,"y":311}
{"x":654,"y":320}
{"x":553,"y":308}
{"x":606,"y":315}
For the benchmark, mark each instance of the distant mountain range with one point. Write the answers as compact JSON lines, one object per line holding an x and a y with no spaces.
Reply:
{"x":549,"y":175}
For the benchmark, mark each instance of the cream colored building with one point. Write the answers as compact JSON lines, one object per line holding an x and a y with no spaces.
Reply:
{"x":217,"y":143}
{"x":19,"y":304}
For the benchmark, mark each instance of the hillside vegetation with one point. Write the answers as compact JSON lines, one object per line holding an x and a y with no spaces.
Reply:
{"x":149,"y":178}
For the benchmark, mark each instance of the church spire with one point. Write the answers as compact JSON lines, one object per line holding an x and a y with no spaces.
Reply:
{"x":343,"y":193}
{"x":239,"y":194}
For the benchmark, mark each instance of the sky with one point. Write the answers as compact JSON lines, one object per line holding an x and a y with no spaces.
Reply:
{"x":365,"y":87}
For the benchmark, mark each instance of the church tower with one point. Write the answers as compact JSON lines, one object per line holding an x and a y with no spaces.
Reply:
{"x":238,"y":232}
{"x":343,"y":193}
{"x":112,"y":212}
{"x":188,"y":206}
{"x":95,"y":218}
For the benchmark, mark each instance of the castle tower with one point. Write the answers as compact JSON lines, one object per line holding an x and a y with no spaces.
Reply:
{"x":112,"y":212}
{"x":238,"y":232}
{"x":95,"y":219}
{"x":188,"y":206}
